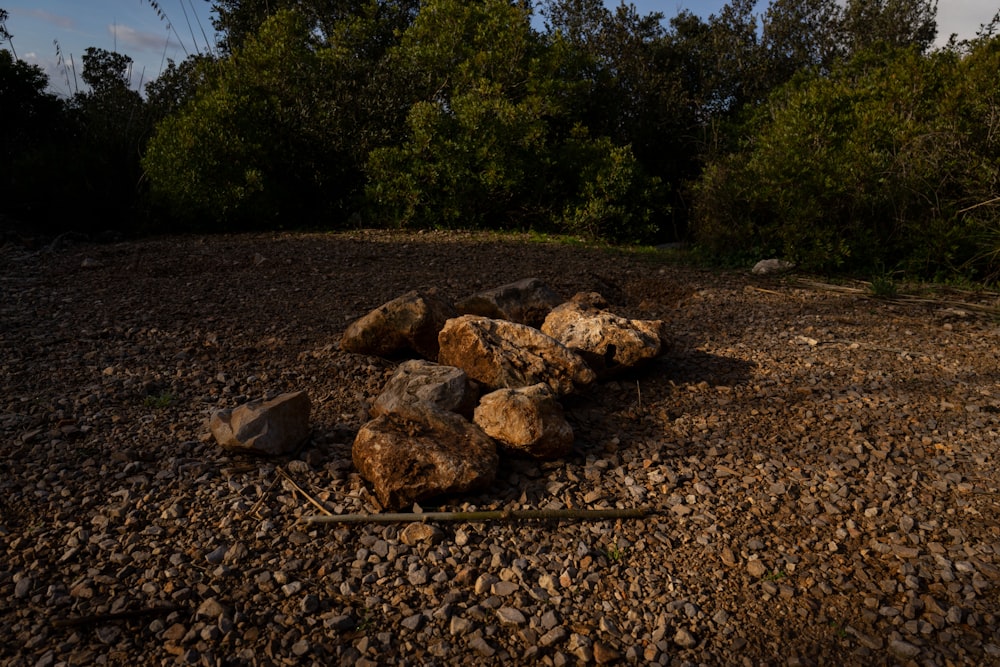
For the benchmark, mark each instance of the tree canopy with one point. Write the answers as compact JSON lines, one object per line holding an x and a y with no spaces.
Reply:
{"x":831,"y":132}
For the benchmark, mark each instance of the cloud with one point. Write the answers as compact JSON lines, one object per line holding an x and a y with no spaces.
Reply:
{"x":64,"y":22}
{"x":138,"y":39}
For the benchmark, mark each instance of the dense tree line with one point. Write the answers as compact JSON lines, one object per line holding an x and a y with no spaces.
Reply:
{"x":831,"y":134}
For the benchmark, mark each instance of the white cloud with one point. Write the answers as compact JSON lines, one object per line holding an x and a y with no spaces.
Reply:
{"x":138,"y":39}
{"x":64,"y":22}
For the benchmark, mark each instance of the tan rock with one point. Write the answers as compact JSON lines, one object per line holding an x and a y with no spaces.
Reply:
{"x":408,"y":324}
{"x":276,"y":427}
{"x":609,"y":343}
{"x":526,"y":419}
{"x":503,"y":354}
{"x":420,"y":451}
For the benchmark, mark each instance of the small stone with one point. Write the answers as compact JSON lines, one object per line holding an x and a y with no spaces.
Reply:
{"x":413,"y":622}
{"x":553,"y":636}
{"x":217,"y":555}
{"x":604,"y":654}
{"x":459,"y":626}
{"x":511,"y":616}
{"x":482,"y":647}
{"x":310,"y":603}
{"x":300,"y":648}
{"x":685,"y":639}
{"x":756,"y":568}
{"x":210,"y":608}
{"x":291,"y":588}
{"x":903,"y":649}
{"x":504,"y":588}
{"x":22,"y":588}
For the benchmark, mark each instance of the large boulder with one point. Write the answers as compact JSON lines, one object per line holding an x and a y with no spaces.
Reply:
{"x":408,"y":324}
{"x":419,"y":452}
{"x":417,"y":380}
{"x":609,"y":343}
{"x":526,"y":301}
{"x":528,"y":420}
{"x":502,"y":354}
{"x":271,"y":428}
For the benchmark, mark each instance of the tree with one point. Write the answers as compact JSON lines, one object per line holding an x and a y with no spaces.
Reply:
{"x":257,"y":144}
{"x":490,"y":139}
{"x":799,"y":35}
{"x":885,"y":161}
{"x":891,"y":23}
{"x":34,"y":133}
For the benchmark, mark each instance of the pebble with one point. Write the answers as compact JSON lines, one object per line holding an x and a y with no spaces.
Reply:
{"x":793,"y":479}
{"x":511,"y":616}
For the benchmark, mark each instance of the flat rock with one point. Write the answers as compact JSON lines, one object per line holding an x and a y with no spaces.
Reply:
{"x":526,"y":301}
{"x":271,"y":428}
{"x":418,"y":380}
{"x":502,"y":354}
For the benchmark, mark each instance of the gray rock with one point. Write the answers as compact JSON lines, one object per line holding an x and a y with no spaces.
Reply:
{"x":444,"y":387}
{"x":276,"y":427}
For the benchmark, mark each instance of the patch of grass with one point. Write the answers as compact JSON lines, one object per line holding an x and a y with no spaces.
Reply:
{"x":777,"y":575}
{"x":838,"y":629}
{"x":616,"y":553}
{"x":883,"y":286}
{"x":159,"y":401}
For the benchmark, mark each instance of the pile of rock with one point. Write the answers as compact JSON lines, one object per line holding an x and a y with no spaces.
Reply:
{"x":490,"y":371}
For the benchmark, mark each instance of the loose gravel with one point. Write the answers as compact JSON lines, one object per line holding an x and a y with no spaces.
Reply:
{"x":822,"y":467}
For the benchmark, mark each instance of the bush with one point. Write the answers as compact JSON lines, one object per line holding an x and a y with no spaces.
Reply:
{"x":874,"y":164}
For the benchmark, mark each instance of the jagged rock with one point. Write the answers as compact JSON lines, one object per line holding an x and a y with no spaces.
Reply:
{"x":276,"y":427}
{"x":419,"y":452}
{"x":526,"y":419}
{"x":503,"y":354}
{"x":609,"y":343}
{"x":770,"y":267}
{"x":407,"y":324}
{"x":526,"y":301}
{"x":445,"y":387}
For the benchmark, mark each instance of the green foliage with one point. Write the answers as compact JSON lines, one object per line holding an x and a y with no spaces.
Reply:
{"x":30,"y":141}
{"x":871,"y":164}
{"x":485,"y":144}
{"x":252,"y":146}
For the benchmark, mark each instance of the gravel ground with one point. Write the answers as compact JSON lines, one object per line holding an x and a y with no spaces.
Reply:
{"x":822,"y":467}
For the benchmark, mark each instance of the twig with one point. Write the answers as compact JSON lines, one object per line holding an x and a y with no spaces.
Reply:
{"x":305,"y":495}
{"x":982,"y":203}
{"x":488,"y":515}
{"x":263,"y":497}
{"x":91,"y":619}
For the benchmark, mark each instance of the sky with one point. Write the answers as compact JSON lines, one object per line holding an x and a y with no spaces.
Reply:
{"x":135,"y":28}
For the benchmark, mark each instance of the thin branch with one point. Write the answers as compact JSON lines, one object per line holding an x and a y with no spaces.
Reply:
{"x":305,"y":495}
{"x":982,"y":203}
{"x":488,"y":515}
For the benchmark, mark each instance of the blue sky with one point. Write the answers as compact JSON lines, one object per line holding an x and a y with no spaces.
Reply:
{"x":133,"y":27}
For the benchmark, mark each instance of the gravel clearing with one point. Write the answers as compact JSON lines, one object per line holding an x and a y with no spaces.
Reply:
{"x":823,"y":469}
